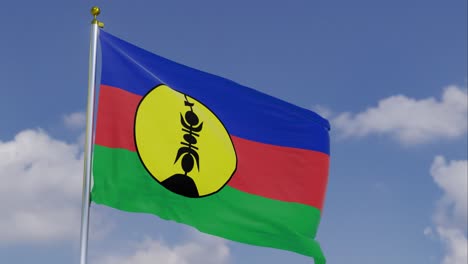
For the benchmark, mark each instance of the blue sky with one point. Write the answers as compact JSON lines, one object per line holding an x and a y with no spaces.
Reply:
{"x":391,"y":76}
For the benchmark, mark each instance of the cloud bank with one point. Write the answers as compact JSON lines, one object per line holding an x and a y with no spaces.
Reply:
{"x":450,"y":216}
{"x":410,"y":120}
{"x":200,"y":249}
{"x":40,"y":194}
{"x":76,"y":120}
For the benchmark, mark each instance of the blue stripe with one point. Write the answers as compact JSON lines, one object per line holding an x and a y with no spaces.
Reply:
{"x":245,"y":112}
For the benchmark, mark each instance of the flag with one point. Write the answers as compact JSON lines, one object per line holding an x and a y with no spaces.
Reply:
{"x":201,"y":150}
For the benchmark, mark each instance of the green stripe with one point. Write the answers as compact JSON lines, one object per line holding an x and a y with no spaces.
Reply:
{"x":121,"y":182}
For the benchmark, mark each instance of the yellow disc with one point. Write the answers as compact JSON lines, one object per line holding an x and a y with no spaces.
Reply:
{"x":182,"y":144}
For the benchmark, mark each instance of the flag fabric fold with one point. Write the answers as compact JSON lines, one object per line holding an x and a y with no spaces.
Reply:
{"x":201,"y":150}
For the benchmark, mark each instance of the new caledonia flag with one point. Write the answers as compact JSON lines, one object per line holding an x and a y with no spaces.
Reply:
{"x":202,"y":150}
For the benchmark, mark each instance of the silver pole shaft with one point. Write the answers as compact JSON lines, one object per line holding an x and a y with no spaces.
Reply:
{"x":88,"y":150}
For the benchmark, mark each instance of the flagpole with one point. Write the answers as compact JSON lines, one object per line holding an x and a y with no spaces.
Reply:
{"x":88,"y":148}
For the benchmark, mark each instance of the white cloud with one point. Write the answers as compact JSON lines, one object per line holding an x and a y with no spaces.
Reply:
{"x":428,"y":232}
{"x":323,"y":111}
{"x":456,"y":245}
{"x":452,"y":178}
{"x":450,"y":216}
{"x":75,"y":120}
{"x":40,"y":190}
{"x":410,"y":120}
{"x":201,"y":249}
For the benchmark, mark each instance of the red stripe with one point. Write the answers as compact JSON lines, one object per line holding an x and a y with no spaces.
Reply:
{"x":281,"y":173}
{"x":116,"y":117}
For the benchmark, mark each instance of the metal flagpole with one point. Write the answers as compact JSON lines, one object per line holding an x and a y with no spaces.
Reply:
{"x":88,"y":148}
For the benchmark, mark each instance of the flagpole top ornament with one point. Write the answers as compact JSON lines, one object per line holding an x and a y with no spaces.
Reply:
{"x":95,"y":11}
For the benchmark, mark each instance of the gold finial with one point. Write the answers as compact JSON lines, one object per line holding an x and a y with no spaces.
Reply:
{"x":95,"y":11}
